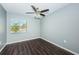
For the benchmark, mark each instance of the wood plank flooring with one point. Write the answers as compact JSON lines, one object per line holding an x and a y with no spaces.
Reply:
{"x":33,"y":47}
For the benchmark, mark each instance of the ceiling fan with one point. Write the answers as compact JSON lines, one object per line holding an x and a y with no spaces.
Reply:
{"x":37,"y":11}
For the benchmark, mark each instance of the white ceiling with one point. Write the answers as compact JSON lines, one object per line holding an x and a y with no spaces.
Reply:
{"x":22,"y":8}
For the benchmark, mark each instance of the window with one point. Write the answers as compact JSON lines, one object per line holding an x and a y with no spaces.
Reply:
{"x":18,"y":26}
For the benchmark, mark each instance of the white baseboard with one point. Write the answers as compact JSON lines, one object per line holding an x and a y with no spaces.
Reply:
{"x":22,"y":40}
{"x":61,"y":47}
{"x":2,"y":48}
{"x":16,"y":42}
{"x":44,"y":39}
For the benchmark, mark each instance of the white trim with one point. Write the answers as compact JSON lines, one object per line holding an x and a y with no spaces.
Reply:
{"x":44,"y":39}
{"x":2,"y":47}
{"x":61,"y":46}
{"x":22,"y":40}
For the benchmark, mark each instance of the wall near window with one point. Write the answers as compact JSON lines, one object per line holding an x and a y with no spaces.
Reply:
{"x":2,"y":27}
{"x":33,"y":28}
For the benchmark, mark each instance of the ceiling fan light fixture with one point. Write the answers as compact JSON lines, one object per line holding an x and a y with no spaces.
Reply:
{"x":38,"y":16}
{"x":38,"y":13}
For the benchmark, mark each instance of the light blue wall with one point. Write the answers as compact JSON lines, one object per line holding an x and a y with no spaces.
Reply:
{"x":62,"y":27}
{"x":2,"y":27}
{"x":33,"y":28}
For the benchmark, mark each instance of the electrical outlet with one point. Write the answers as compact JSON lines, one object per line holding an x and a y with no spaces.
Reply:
{"x":65,"y":41}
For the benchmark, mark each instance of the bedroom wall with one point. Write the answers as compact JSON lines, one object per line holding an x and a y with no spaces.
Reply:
{"x":2,"y":27}
{"x":62,"y":27}
{"x":33,"y":28}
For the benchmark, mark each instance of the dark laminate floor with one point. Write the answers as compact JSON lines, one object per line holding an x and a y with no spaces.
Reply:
{"x":33,"y":47}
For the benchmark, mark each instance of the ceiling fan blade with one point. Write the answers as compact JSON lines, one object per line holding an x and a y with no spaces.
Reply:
{"x":44,"y":10}
{"x":34,"y":8}
{"x":29,"y":12}
{"x":42,"y":15}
